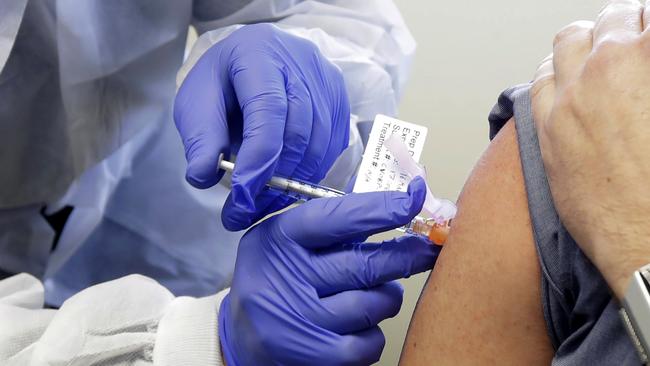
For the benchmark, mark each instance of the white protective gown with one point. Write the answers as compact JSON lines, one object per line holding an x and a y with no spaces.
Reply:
{"x":86,"y":92}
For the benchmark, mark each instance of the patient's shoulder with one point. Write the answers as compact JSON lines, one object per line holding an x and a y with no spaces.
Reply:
{"x":482,"y":303}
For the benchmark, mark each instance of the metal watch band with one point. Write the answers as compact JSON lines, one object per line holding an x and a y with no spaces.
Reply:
{"x":636,"y":311}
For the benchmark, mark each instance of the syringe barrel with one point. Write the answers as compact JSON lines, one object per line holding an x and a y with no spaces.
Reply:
{"x":299,"y":190}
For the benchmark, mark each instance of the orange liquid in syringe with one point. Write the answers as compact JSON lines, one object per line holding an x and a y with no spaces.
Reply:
{"x":436,"y":233}
{"x":439,"y":233}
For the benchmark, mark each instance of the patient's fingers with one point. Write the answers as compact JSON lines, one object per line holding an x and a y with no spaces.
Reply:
{"x":571,"y":47}
{"x":545,"y":68}
{"x":543,"y":92}
{"x":544,"y":77}
{"x":618,"y":18}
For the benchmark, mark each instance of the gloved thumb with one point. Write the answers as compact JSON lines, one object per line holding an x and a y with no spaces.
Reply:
{"x":200,"y":117}
{"x":325,"y":222}
{"x":364,"y":266}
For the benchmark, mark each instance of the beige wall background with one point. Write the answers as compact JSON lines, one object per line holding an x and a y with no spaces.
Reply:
{"x":468,"y":52}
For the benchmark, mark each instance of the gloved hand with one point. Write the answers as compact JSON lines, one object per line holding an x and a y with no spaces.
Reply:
{"x":305,"y":292}
{"x":273,"y":99}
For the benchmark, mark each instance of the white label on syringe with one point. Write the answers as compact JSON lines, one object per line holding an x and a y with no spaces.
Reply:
{"x":379,"y":170}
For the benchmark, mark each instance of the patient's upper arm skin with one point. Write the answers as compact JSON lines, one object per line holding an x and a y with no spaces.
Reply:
{"x":482,"y":302}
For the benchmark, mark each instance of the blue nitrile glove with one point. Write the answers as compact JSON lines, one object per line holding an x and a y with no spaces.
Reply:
{"x":277,"y":97}
{"x":305,"y":292}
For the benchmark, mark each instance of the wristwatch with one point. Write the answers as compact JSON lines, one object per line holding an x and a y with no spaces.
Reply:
{"x":636,"y":311}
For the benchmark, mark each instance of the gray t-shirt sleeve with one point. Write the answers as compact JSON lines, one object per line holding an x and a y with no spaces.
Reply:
{"x":581,"y":316}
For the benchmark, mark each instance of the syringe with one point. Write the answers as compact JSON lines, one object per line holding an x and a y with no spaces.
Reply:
{"x":434,"y":230}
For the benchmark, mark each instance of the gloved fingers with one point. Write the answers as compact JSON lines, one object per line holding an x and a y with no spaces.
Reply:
{"x":298,"y":128}
{"x":297,"y":135}
{"x":309,"y":156}
{"x":362,"y":348}
{"x":260,"y":89}
{"x":267,"y":202}
{"x":364,"y":266}
{"x":356,"y":310}
{"x":325,"y":222}
{"x":200,"y":117}
{"x":619,"y":18}
{"x":311,"y":165}
{"x":337,"y":116}
{"x":571,"y":47}
{"x":321,"y":126}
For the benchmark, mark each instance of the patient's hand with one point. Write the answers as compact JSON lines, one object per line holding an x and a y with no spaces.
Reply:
{"x":482,"y":303}
{"x":593,"y":119}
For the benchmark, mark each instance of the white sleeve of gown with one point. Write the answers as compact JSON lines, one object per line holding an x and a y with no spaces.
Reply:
{"x":131,"y":320}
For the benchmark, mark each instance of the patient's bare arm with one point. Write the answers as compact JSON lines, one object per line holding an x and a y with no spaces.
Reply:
{"x":482,"y":303}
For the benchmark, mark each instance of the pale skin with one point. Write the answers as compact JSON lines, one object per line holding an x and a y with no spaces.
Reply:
{"x":482,"y":303}
{"x":590,"y":101}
